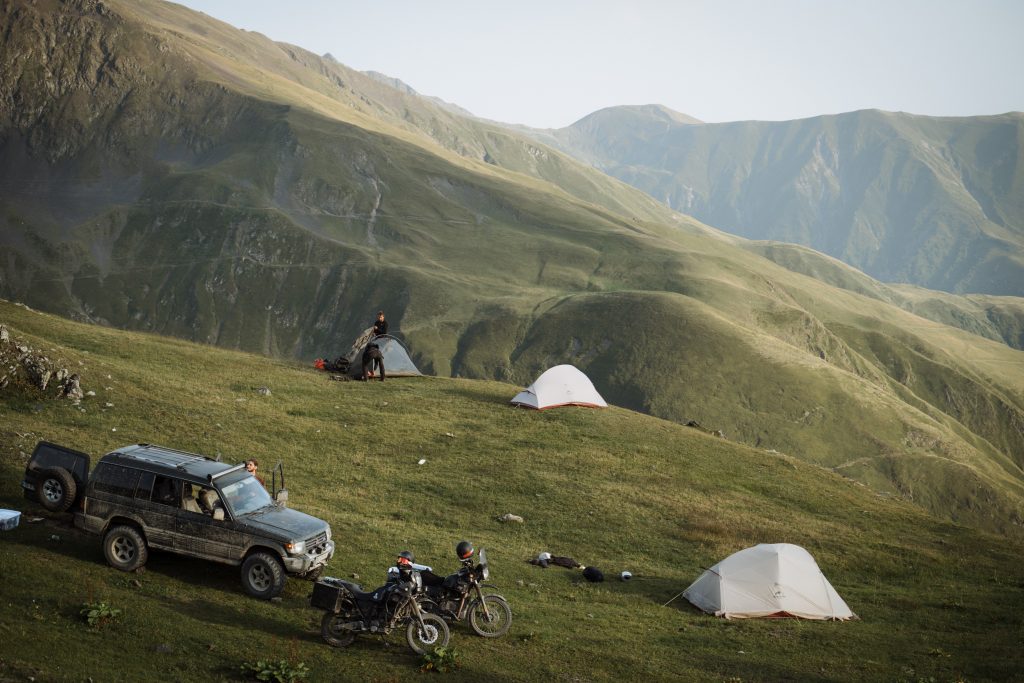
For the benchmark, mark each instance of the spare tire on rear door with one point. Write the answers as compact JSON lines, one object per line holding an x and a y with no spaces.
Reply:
{"x":56,"y":489}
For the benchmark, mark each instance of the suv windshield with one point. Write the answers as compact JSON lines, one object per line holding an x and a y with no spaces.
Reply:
{"x":246,"y":495}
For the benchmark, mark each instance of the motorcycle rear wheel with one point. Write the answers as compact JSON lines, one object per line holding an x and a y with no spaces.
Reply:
{"x":433,"y":634}
{"x":496,"y":622}
{"x":332,"y":633}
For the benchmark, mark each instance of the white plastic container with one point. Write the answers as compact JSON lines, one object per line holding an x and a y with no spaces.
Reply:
{"x":9,"y":519}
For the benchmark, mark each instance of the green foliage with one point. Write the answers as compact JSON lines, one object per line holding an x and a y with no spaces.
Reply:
{"x":99,"y":614}
{"x":442,"y":660}
{"x":275,"y":671}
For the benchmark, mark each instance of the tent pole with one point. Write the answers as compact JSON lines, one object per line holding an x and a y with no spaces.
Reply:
{"x":674,"y":597}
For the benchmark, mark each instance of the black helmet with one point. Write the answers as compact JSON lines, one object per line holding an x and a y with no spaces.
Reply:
{"x":464,"y":550}
{"x":407,"y":556}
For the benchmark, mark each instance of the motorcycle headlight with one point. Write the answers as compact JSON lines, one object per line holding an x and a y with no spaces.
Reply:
{"x":295,"y":548}
{"x":417,"y":582}
{"x":484,"y":573}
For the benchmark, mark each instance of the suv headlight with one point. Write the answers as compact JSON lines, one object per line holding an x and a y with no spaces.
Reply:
{"x":295,"y":548}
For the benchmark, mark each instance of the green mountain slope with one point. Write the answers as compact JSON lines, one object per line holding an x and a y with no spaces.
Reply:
{"x":935,"y":202}
{"x":165,"y":172}
{"x":994,"y":317}
{"x":611,"y":488}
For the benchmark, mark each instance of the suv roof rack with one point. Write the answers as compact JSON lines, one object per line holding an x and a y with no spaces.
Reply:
{"x":211,"y":477}
{"x":158,"y":455}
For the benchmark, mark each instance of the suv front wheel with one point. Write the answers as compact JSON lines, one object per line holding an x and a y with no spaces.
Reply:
{"x":262,"y":576}
{"x":125,"y":548}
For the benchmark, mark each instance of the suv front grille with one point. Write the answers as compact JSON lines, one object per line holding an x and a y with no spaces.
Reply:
{"x":317,"y":544}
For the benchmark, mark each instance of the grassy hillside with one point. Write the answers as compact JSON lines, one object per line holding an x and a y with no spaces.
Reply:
{"x":165,"y":172}
{"x":934,"y":202}
{"x":611,"y":488}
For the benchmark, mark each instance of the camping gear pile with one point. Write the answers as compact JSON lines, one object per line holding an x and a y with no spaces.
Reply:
{"x":592,"y":574}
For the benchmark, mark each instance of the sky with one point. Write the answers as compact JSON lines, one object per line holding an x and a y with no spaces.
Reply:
{"x":548,"y":64}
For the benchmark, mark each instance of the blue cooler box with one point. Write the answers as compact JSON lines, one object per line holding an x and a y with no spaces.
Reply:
{"x":9,"y":519}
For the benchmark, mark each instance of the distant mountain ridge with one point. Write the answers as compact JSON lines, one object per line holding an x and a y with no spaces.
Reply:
{"x":934,"y":202}
{"x":404,"y":87}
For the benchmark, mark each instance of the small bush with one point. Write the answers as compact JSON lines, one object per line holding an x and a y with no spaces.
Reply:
{"x":99,"y":614}
{"x":281,"y":671}
{"x":442,"y":660}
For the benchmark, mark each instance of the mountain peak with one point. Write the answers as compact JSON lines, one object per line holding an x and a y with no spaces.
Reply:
{"x":637,"y":114}
{"x":661,"y":111}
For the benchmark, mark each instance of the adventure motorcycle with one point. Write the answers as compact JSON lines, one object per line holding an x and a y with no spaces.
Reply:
{"x":351,"y":610}
{"x":460,"y":595}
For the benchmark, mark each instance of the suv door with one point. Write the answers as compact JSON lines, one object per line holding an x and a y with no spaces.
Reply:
{"x":111,"y":491}
{"x":158,"y":501}
{"x":199,"y":534}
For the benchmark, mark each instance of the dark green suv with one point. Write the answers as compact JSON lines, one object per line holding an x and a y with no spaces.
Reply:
{"x":144,"y":496}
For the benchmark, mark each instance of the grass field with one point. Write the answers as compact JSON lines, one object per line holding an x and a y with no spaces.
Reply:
{"x":611,"y":488}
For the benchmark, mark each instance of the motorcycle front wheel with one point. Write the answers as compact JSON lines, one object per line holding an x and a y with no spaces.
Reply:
{"x":433,"y":634}
{"x":332,"y":632}
{"x":497,"y":619}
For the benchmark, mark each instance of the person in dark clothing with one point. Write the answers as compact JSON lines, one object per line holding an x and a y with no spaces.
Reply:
{"x":373,"y":359}
{"x":381,"y":325}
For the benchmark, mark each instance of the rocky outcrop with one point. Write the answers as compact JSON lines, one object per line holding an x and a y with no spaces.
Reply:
{"x":25,"y":369}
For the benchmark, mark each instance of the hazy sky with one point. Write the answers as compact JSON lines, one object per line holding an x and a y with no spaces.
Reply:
{"x":547,"y":64}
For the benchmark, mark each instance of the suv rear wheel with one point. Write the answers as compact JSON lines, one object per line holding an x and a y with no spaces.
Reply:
{"x":56,"y":489}
{"x":263,"y":576}
{"x":125,"y":548}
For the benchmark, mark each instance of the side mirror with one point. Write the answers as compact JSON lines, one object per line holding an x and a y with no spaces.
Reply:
{"x":218,"y":514}
{"x":281,"y":497}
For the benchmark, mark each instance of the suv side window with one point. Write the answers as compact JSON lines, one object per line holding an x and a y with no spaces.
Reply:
{"x":167,"y":491}
{"x":116,"y":479}
{"x":145,"y":486}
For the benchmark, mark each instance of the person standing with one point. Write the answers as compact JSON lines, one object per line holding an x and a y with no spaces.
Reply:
{"x":373,"y":359}
{"x":251,"y":467}
{"x":380,"y":327}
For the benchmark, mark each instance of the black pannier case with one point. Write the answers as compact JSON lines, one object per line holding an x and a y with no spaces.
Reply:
{"x":326,"y":596}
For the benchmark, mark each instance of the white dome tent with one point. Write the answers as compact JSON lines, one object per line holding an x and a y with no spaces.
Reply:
{"x":562,"y":385}
{"x":768,"y":580}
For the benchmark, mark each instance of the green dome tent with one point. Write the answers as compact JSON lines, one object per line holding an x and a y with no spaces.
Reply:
{"x":397,"y":362}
